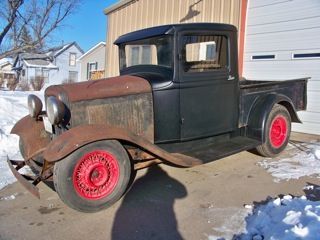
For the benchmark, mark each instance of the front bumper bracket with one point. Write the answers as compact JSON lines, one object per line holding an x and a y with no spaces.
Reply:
{"x":29,"y":182}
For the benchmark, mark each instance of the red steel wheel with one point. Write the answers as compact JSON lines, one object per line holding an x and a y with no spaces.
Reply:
{"x":96,"y":174}
{"x":277,"y":132}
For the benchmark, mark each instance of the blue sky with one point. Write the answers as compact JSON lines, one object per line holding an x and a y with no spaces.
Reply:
{"x":87,"y":26}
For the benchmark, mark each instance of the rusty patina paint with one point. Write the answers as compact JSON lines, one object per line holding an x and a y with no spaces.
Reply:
{"x":99,"y":89}
{"x":33,"y":136}
{"x":79,"y":136}
{"x":133,"y":113}
{"x":124,"y":102}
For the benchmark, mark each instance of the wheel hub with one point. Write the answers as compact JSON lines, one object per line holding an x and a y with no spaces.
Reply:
{"x":96,"y":174}
{"x":278,"y":131}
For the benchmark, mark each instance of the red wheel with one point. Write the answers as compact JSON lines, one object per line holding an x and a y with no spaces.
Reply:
{"x":94,"y":176}
{"x":277,"y":132}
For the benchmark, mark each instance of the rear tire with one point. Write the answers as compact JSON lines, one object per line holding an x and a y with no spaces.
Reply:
{"x":93,"y":177}
{"x":277,"y":132}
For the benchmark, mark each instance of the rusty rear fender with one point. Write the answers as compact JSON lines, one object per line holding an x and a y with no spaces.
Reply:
{"x":82,"y":135}
{"x":33,"y":137}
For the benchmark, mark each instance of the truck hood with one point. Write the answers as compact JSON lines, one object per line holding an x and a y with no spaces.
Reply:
{"x":99,"y":89}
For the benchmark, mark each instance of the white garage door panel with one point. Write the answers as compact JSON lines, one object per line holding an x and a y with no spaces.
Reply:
{"x":313,"y":103}
{"x":285,"y":56}
{"x":272,"y":69}
{"x":261,"y":16}
{"x":300,"y":39}
{"x":313,"y":107}
{"x":283,"y":28}
{"x":263,"y":3}
{"x":315,"y":86}
{"x":306,"y":127}
{"x":310,"y":117}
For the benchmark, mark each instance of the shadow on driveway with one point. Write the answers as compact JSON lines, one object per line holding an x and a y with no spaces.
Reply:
{"x":147,"y":210}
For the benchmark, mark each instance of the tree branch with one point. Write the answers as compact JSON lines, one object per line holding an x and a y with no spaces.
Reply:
{"x":35,"y":21}
{"x":13,"y":8}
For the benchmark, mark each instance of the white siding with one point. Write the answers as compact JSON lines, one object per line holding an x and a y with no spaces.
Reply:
{"x":283,"y":28}
{"x":62,"y":62}
{"x":95,"y":56}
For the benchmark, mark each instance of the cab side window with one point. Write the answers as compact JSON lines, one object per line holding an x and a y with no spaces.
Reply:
{"x":205,"y":53}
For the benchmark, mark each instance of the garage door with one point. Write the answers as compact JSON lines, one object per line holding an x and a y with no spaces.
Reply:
{"x":283,"y":42}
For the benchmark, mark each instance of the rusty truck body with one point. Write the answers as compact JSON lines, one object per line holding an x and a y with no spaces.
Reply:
{"x":178,"y":101}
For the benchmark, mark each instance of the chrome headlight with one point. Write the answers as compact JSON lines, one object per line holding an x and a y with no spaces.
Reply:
{"x":55,"y":110}
{"x":34,"y":105}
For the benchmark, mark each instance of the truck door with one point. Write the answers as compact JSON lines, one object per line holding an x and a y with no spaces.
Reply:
{"x":208,"y":85}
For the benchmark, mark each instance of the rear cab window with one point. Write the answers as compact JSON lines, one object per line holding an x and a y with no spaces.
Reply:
{"x":205,"y":53}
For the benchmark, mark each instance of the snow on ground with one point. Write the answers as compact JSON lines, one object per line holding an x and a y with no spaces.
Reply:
{"x":303,"y":160}
{"x":232,"y":223}
{"x":13,"y":106}
{"x":285,"y":218}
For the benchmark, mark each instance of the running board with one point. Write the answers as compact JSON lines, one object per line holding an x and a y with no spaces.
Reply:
{"x":214,"y":151}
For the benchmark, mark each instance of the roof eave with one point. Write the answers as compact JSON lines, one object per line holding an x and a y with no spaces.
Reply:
{"x":116,"y":6}
{"x":92,"y":49}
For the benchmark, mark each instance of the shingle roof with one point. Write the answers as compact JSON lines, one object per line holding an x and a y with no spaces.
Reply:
{"x":54,"y":52}
{"x":26,"y":56}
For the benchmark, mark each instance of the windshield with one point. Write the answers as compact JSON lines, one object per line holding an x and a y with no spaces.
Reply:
{"x":157,"y":51}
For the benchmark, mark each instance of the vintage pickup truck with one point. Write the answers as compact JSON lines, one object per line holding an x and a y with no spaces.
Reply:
{"x":178,"y":101}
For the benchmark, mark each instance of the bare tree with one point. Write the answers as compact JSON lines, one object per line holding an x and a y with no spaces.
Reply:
{"x":27,"y":24}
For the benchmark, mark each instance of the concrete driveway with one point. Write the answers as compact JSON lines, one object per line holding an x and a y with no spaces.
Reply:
{"x":163,"y":203}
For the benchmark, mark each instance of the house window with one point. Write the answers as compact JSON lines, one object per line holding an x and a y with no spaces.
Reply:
{"x":72,"y":59}
{"x":41,"y":73}
{"x":146,"y":55}
{"x":23,"y":72}
{"x":45,"y":75}
{"x":135,"y":55}
{"x":140,"y":54}
{"x":73,"y":76}
{"x":205,"y":53}
{"x":91,"y":67}
{"x":211,"y":51}
{"x":263,"y":57}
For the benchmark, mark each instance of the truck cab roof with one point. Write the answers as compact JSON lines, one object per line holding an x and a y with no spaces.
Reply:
{"x":170,"y":29}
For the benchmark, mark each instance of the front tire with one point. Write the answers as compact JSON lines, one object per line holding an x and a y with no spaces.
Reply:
{"x":93,"y":177}
{"x":277,"y":132}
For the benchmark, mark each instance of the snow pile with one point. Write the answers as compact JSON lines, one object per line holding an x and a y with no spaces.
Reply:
{"x":303,"y":160}
{"x":284,"y":218}
{"x":13,"y":106}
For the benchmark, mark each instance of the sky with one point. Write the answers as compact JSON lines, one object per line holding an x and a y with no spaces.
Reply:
{"x":87,"y":26}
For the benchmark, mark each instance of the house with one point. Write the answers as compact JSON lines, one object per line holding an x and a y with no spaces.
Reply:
{"x":6,"y":72}
{"x":65,"y":59}
{"x":29,"y":66}
{"x":273,"y":43}
{"x":55,"y":66}
{"x":92,"y":63}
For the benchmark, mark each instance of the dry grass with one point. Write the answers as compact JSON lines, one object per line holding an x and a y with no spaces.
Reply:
{"x":37,"y":83}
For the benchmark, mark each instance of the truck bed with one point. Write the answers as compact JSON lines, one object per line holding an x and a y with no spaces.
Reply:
{"x":251,"y":90}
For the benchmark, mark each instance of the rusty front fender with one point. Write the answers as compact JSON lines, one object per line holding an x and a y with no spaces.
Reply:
{"x":34,"y":139}
{"x":79,"y":136}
